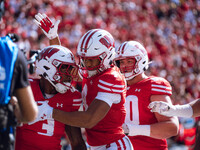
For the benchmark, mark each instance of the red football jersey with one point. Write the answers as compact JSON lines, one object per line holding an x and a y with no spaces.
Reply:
{"x":137,"y":101}
{"x":109,"y":129}
{"x":46,"y":134}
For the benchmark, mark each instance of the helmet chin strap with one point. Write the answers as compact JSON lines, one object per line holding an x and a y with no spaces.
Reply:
{"x":129,"y":75}
{"x":59,"y":87}
{"x":92,"y":73}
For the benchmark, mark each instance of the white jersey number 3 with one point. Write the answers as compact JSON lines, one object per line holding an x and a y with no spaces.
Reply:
{"x":49,"y":127}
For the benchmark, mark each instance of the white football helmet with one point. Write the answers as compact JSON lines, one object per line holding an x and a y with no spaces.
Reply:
{"x":132,"y":49}
{"x":96,"y":43}
{"x":51,"y":63}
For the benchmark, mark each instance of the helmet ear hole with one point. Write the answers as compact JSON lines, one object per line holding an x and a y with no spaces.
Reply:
{"x":47,"y":68}
{"x":117,"y":62}
{"x":110,"y":62}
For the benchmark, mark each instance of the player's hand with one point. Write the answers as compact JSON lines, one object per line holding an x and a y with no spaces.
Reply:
{"x":44,"y":112}
{"x":44,"y":22}
{"x":133,"y":129}
{"x":125,"y":128}
{"x":163,"y":108}
{"x":17,"y":112}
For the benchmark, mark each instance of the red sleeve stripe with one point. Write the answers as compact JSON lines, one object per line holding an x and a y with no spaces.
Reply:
{"x":111,"y":87}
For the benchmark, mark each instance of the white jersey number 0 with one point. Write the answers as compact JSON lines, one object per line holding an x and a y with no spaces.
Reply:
{"x":132,"y":110}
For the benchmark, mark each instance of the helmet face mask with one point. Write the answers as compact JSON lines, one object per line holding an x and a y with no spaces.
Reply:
{"x":132,"y":50}
{"x":127,"y":65}
{"x":65,"y":72}
{"x":95,"y":44}
{"x":57,"y":65}
{"x":91,"y":63}
{"x":95,"y":67}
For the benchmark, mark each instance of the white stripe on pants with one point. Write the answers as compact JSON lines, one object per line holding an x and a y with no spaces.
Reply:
{"x":121,"y":144}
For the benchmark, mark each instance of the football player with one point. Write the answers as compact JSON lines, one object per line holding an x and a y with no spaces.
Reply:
{"x":55,"y":66}
{"x":103,"y":91}
{"x":145,"y":129}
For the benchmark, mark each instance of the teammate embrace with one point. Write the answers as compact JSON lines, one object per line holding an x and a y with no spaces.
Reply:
{"x":104,"y":90}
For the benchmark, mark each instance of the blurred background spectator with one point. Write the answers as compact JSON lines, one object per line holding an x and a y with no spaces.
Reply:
{"x":168,"y":29}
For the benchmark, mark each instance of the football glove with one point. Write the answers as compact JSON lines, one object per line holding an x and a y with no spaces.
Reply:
{"x":44,"y":112}
{"x":162,"y":108}
{"x":170,"y":110}
{"x":44,"y":22}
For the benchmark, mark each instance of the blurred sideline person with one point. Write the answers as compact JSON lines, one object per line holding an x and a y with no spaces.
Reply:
{"x":13,"y":82}
{"x":103,"y":90}
{"x":189,"y":110}
{"x":145,"y":129}
{"x":55,"y":66}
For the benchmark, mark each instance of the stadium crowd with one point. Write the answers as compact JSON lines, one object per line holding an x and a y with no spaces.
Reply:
{"x":169,"y":30}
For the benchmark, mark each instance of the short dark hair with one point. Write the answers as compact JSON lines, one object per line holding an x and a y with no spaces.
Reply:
{"x":2,"y":8}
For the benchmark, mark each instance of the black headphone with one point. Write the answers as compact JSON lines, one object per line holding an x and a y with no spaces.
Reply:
{"x":2,"y":8}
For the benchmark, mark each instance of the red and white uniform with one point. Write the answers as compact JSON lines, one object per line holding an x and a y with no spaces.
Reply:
{"x":137,"y":101}
{"x":46,"y":134}
{"x":109,"y":129}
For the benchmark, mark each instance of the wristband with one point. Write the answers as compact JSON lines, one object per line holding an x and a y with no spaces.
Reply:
{"x":139,"y":130}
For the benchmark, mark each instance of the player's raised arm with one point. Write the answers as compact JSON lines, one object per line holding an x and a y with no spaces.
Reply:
{"x":49,"y":28}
